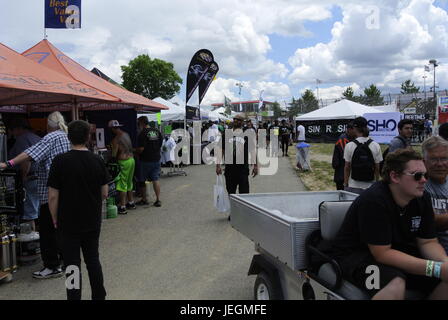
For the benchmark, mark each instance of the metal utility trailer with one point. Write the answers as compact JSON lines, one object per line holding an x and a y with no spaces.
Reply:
{"x":279,"y":224}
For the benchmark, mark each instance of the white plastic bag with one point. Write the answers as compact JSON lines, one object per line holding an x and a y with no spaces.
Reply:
{"x":220,"y":196}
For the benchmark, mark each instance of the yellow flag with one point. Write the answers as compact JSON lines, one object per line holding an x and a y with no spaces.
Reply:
{"x":159,"y":118}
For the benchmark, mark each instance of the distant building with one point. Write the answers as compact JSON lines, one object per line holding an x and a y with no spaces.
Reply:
{"x":249,"y":107}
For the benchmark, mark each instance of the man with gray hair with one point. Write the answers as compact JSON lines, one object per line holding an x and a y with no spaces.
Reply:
{"x":43,"y":153}
{"x":435,"y":154}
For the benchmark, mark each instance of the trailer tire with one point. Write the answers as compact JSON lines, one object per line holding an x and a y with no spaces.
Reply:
{"x":267,"y":288}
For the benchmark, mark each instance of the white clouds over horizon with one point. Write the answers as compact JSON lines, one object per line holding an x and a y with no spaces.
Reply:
{"x":238,"y":33}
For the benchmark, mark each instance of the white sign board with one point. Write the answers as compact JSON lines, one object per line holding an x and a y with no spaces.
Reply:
{"x":410,"y":110}
{"x":383,"y":127}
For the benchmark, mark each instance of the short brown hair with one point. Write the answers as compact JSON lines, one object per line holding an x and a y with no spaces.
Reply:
{"x":396,"y":161}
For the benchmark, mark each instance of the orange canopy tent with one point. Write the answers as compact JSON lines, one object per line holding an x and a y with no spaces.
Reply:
{"x":24,"y":82}
{"x":44,"y":53}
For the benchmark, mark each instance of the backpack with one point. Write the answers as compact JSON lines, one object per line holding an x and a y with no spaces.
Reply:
{"x":386,"y":152}
{"x":363,"y":164}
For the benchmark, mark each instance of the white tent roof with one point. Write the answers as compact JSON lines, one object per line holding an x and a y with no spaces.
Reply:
{"x":175,"y":113}
{"x":344,"y":109}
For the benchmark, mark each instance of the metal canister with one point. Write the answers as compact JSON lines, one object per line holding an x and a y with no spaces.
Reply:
{"x":13,"y":251}
{"x":4,"y":259}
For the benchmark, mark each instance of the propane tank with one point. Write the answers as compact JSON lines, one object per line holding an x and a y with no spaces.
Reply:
{"x":4,"y":259}
{"x":13,"y":251}
{"x":28,"y":245}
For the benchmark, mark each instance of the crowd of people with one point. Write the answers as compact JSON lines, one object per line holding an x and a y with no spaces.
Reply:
{"x":398,"y":223}
{"x":66,"y":185}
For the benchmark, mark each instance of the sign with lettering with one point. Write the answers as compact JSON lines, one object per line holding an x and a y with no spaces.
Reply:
{"x":383,"y":127}
{"x":324,"y":130}
{"x":64,"y":14}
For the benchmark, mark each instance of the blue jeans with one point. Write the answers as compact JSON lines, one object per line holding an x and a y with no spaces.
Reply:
{"x":31,"y":203}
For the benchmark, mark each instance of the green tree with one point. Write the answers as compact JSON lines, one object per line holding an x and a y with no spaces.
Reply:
{"x":277,"y":110}
{"x":349,"y":94}
{"x":408,"y":87}
{"x":151,"y":78}
{"x":309,"y":101}
{"x":372,"y":96}
{"x":294,"y":110}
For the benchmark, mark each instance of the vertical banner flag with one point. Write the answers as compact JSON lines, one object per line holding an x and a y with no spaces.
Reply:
{"x":199,"y":65}
{"x":260,"y":102}
{"x":207,"y":79}
{"x":65,"y":14}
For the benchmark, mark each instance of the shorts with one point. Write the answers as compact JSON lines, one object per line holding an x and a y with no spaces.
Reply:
{"x":31,"y":203}
{"x":149,"y":171}
{"x":354,"y":270}
{"x":124,"y":180}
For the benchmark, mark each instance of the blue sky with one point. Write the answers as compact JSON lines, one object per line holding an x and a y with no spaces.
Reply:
{"x":248,"y":39}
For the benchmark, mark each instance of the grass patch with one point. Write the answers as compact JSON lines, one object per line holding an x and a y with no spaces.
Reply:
{"x":321,"y":176}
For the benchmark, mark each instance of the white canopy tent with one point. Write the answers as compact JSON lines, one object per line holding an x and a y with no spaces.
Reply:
{"x":175,"y":113}
{"x":344,"y":109}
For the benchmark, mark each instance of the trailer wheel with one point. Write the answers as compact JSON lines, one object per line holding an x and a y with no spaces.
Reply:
{"x":267,"y":288}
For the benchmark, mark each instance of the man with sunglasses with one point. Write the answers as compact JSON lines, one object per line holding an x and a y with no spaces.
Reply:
{"x":435,"y":154}
{"x":391,"y":226}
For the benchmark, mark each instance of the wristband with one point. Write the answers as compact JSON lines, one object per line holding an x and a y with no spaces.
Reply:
{"x":10,"y":163}
{"x":437,"y":269}
{"x":429,"y":268}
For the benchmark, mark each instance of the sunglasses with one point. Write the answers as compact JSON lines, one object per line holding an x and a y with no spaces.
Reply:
{"x":417,"y":175}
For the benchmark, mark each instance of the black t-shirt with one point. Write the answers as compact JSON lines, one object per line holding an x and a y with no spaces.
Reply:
{"x":374,"y":218}
{"x":284,"y":132}
{"x":151,"y":140}
{"x":240,"y":159}
{"x":79,"y":176}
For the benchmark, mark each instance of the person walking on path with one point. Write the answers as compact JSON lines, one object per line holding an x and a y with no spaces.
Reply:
{"x":43,"y":153}
{"x":150,"y":142}
{"x":338,"y":162}
{"x":25,"y":139}
{"x":285,"y":136}
{"x":300,"y":133}
{"x":362,"y":159}
{"x":77,"y":186}
{"x":237,"y":167}
{"x":123,"y":152}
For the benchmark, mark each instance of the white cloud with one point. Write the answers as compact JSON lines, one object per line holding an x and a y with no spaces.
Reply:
{"x":393,"y":49}
{"x":251,"y":90}
{"x":409,"y":33}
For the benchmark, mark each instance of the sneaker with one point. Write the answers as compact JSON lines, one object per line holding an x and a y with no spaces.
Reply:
{"x":142,"y":203}
{"x":131,"y":205}
{"x":122,"y":210}
{"x":157,"y":203}
{"x":47,"y":273}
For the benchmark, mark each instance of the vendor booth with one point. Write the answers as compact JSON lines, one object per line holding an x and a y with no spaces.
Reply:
{"x":32,"y":85}
{"x":327,"y":124}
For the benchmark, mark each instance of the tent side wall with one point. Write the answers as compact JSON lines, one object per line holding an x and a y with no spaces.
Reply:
{"x":324,"y":131}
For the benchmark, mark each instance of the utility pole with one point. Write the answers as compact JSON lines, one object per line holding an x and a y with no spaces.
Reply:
{"x":424,"y":85}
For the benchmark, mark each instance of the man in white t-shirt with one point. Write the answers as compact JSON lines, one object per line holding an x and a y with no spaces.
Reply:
{"x":300,"y":133}
{"x":362,"y":169}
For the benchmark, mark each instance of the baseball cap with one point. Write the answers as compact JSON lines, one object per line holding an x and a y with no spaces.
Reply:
{"x":360,"y":122}
{"x":114,"y":124}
